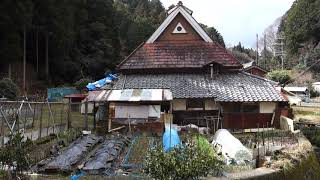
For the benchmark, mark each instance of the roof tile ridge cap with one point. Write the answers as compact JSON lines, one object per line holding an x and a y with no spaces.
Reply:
{"x":259,"y":77}
{"x":172,"y":10}
{"x":133,"y":52}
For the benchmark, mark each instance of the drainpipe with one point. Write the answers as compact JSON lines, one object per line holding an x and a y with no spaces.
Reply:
{"x":211,"y":70}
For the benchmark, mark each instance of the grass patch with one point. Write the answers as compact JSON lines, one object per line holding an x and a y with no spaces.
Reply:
{"x":40,"y":149}
{"x":139,"y":150}
{"x":308,"y":113}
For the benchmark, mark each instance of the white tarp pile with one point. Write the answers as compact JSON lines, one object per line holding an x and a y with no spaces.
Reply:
{"x":232,"y":149}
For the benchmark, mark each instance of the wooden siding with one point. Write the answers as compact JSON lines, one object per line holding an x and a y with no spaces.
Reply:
{"x":191,"y":34}
{"x":246,"y":120}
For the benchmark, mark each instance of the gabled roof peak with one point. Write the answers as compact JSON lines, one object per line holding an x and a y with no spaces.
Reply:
{"x":180,"y":4}
{"x":187,"y":15}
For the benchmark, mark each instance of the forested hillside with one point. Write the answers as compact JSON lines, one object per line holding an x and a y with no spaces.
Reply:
{"x":300,"y":27}
{"x":85,"y":38}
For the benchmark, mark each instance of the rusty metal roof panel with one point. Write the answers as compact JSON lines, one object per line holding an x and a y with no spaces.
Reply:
{"x":97,"y":96}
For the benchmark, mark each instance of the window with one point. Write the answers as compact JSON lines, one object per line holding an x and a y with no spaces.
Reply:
{"x":179,"y":29}
{"x":195,"y":104}
{"x":250,"y":107}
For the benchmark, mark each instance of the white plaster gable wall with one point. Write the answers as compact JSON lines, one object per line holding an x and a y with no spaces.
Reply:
{"x":267,"y":107}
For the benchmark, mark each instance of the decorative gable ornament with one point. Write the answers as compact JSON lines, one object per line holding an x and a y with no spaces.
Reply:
{"x":179,"y":29}
{"x":187,"y":14}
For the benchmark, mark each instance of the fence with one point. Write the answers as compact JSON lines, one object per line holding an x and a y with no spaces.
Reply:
{"x":40,"y":119}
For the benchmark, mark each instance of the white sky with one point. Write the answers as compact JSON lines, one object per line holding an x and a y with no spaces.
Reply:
{"x":236,"y":20}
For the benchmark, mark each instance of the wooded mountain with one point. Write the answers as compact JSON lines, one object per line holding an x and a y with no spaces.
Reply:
{"x":301,"y":29}
{"x":86,"y":38}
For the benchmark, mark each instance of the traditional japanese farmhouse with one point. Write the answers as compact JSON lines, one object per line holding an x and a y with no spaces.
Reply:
{"x":181,"y":71}
{"x":254,"y":69}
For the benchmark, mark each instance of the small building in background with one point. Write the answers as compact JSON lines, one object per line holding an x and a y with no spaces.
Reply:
{"x":252,"y":68}
{"x":57,"y":94}
{"x":75,"y":101}
{"x":302,"y":92}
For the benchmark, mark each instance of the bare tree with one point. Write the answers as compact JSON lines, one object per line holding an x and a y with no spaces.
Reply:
{"x":271,"y":34}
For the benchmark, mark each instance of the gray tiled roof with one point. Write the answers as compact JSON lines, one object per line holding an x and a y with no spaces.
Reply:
{"x":223,"y":87}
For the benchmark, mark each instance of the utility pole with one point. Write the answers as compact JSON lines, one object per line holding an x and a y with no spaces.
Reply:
{"x":257,"y":53}
{"x":37,"y":50}
{"x":24,"y":61}
{"x":282,"y":59}
{"x":9,"y":71}
{"x":47,"y":56}
{"x":279,"y":49}
{"x":265,"y":51}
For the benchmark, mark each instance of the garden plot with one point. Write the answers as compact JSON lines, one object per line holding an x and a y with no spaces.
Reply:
{"x":134,"y":159}
{"x":73,"y":154}
{"x":104,"y":159}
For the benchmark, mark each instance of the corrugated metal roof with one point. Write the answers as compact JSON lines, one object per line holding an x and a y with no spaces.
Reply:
{"x":97,"y":96}
{"x":296,"y":89}
{"x":130,"y":95}
{"x":140,"y":95}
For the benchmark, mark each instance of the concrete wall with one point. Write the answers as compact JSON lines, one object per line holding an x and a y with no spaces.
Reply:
{"x":179,"y":104}
{"x":286,"y":124}
{"x":267,"y":107}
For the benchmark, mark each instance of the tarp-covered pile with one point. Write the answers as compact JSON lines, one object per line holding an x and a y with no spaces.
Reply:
{"x":102,"y":82}
{"x":103,"y":159}
{"x":73,"y":154}
{"x":232,"y":149}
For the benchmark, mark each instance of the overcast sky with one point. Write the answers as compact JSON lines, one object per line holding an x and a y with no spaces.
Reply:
{"x":236,"y":20}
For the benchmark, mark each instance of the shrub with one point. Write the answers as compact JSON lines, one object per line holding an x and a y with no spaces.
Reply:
{"x":82,"y":83}
{"x":14,"y":153}
{"x":192,"y":161}
{"x":281,"y":76}
{"x":313,"y":92}
{"x":8,"y":89}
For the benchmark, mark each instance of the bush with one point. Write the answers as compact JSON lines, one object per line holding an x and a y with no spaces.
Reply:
{"x":14,"y":153}
{"x":192,"y":161}
{"x":8,"y":89}
{"x":82,"y":83}
{"x":281,"y":76}
{"x":313,"y":92}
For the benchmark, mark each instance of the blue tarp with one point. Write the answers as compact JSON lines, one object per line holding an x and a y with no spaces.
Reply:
{"x":170,"y":139}
{"x":77,"y":176}
{"x":100,"y":83}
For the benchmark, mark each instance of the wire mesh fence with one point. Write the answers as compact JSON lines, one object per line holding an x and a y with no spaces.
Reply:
{"x":40,"y":119}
